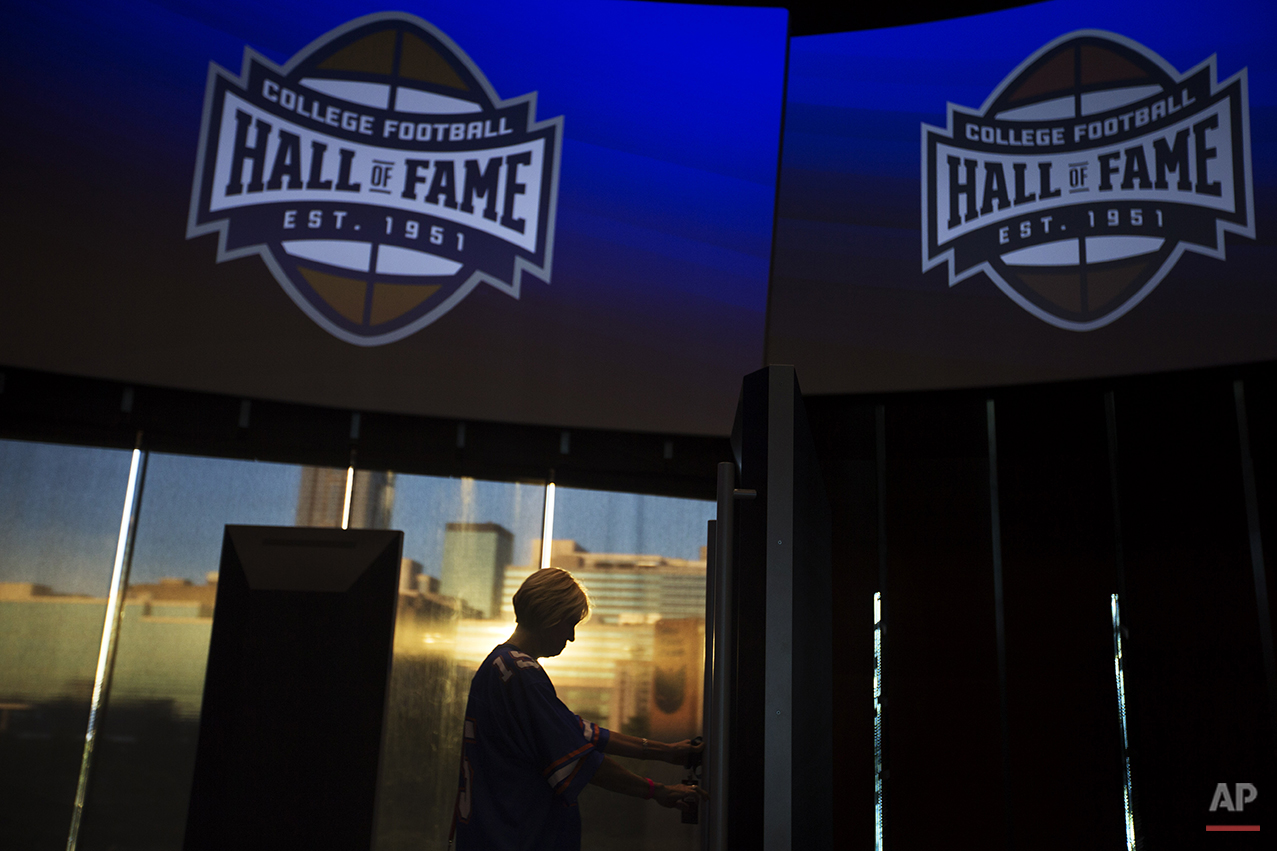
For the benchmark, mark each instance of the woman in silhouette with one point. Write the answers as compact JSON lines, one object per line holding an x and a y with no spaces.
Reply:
{"x":526,"y":756}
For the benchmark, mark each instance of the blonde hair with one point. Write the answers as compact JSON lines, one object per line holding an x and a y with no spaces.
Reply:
{"x":548,"y":597}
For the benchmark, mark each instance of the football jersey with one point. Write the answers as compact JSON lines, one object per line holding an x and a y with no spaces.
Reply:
{"x":524,"y":759}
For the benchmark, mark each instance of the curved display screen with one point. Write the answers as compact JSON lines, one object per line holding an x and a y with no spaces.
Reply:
{"x":562,"y":212}
{"x":555,"y":212}
{"x":1070,"y":189}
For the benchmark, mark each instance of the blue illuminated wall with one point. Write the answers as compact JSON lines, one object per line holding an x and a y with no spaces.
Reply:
{"x":851,"y":306}
{"x":671,"y":122}
{"x":659,"y":288}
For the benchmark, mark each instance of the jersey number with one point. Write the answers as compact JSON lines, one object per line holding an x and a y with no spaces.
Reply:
{"x":506,"y":673}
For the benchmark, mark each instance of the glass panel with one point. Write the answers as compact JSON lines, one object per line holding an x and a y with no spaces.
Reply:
{"x":460,"y":538}
{"x":638,"y":665}
{"x":321,"y":498}
{"x":145,"y":757}
{"x":61,"y":507}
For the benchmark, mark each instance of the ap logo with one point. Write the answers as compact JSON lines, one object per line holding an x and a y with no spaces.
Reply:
{"x":1086,"y":175}
{"x":1244,"y":793}
{"x":378,"y":175}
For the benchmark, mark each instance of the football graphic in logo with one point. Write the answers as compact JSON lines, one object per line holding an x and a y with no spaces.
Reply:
{"x":1086,"y":175}
{"x":378,"y":175}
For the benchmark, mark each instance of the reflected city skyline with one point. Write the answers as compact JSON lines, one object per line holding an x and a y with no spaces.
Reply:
{"x":634,"y":667}
{"x":62,"y":539}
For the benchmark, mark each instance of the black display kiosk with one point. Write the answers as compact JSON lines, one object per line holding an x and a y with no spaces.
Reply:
{"x":295,"y":693}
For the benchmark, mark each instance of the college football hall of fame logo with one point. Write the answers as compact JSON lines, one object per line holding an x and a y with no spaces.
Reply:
{"x":1085,"y":176}
{"x":378,"y":175}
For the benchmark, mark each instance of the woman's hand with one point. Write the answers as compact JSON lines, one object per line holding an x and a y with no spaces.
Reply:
{"x":680,"y":797}
{"x":678,"y":752}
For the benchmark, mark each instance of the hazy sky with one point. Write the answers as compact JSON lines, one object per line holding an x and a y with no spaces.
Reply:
{"x":61,"y":507}
{"x":61,"y":514}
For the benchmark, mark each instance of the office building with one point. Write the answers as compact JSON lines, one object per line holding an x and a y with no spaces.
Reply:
{"x":321,"y":498}
{"x":624,"y":588}
{"x":475,"y":558}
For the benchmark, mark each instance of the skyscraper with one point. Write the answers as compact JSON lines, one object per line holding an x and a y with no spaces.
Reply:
{"x":322,"y":496}
{"x":475,"y":558}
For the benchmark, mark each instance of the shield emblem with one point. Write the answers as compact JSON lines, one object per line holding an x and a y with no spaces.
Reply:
{"x":1084,"y":177}
{"x":378,"y":175}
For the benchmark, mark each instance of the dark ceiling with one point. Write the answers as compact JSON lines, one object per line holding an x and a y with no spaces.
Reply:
{"x":811,"y":17}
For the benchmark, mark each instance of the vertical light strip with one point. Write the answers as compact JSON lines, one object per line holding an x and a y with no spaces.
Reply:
{"x":877,"y":721}
{"x":547,"y":525}
{"x":350,"y":488}
{"x":110,"y":633}
{"x":1256,"y":550}
{"x":1121,"y":714}
{"x":1128,"y":786}
{"x":880,"y":791}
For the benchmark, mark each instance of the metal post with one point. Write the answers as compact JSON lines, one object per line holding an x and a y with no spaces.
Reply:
{"x":778,"y":620}
{"x":110,"y":630}
{"x":716,"y":762}
{"x":711,"y":607}
{"x":1256,"y":551}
